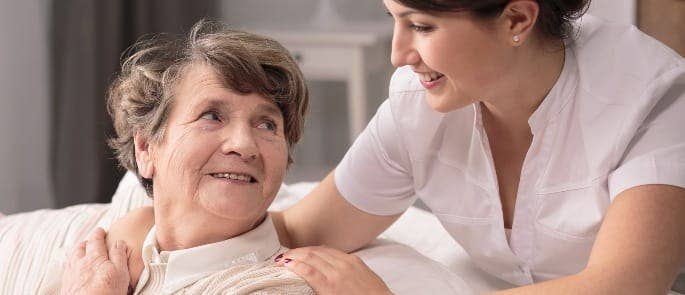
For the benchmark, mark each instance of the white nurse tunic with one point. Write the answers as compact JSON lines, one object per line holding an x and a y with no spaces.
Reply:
{"x":615,"y":119}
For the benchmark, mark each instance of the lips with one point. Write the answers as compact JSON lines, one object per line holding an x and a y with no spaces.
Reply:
{"x":235,"y":176}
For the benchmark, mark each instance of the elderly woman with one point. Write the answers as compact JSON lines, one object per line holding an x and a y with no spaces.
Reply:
{"x":207,"y":124}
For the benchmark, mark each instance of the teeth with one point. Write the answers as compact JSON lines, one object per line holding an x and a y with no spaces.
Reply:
{"x":235,"y":176}
{"x":428,"y":77}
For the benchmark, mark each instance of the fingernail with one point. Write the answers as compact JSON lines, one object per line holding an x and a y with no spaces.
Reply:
{"x":287,"y":260}
{"x":278,"y":257}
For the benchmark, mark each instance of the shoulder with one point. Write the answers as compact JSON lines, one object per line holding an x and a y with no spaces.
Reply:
{"x":134,"y":226}
{"x":603,"y":40}
{"x":132,"y":229}
{"x":624,"y":78}
{"x":618,"y":63}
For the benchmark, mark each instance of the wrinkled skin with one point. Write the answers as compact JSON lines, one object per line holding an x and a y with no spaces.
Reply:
{"x":92,"y":269}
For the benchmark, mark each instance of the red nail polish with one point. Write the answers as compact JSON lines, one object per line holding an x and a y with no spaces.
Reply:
{"x":278,"y":257}
{"x":287,"y":260}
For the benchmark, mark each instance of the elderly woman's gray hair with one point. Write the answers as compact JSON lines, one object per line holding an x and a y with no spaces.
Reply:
{"x":140,"y":98}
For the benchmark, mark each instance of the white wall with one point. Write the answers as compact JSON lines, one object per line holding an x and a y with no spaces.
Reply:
{"x":24,"y":106}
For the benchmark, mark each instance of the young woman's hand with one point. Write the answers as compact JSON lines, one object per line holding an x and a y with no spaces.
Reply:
{"x":330,"y":271}
{"x":90,"y":270}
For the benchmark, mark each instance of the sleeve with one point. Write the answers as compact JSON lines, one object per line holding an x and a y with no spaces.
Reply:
{"x":656,"y":153}
{"x":375,"y":174}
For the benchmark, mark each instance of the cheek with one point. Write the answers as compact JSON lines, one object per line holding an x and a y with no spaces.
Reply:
{"x":185,"y":153}
{"x":275,"y":164}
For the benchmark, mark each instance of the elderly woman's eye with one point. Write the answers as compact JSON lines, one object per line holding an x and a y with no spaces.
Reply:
{"x":210,"y":116}
{"x":268,"y":125}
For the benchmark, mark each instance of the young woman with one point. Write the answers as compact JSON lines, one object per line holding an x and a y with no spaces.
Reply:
{"x":550,"y":149}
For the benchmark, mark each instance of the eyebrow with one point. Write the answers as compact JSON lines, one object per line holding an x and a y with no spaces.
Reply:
{"x":405,"y":13}
{"x":267,"y":108}
{"x":270,"y":109}
{"x":212,"y":103}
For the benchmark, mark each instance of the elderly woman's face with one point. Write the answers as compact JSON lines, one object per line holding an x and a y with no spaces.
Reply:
{"x":223,"y":155}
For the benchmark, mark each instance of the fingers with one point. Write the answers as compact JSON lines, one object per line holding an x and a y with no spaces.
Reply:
{"x":78,"y":251}
{"x":330,"y":271}
{"x":95,"y":246}
{"x":335,"y":258}
{"x":117,"y":255}
{"x":325,"y":269}
{"x":311,"y":256}
{"x":311,"y":275}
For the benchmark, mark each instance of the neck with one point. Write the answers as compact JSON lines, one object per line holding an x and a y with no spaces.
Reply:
{"x":183,"y":231}
{"x":534,"y":70}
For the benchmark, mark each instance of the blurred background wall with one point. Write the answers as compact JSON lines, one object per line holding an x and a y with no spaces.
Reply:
{"x":57,"y":58}
{"x":25,"y":113}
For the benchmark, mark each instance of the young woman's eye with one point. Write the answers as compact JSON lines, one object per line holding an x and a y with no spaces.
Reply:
{"x":213,"y":116}
{"x":420,"y":28}
{"x":267,"y":125}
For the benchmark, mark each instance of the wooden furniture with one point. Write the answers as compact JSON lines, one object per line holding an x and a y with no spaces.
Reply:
{"x":347,"y":54}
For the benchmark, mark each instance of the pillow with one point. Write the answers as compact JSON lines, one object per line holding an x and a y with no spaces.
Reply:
{"x":406,"y":271}
{"x":29,"y":240}
{"x":129,"y":196}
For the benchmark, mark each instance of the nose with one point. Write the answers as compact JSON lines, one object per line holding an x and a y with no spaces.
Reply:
{"x":403,"y":51}
{"x":239,"y":141}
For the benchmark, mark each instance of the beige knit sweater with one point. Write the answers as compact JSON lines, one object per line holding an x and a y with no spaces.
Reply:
{"x":261,"y":278}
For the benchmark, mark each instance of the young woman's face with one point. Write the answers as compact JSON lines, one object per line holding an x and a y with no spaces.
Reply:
{"x":457,"y":57}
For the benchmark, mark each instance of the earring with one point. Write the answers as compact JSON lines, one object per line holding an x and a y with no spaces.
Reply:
{"x":516,"y":38}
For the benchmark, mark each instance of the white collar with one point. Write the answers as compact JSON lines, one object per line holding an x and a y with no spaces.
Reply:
{"x":561,"y":93}
{"x":187,"y":266}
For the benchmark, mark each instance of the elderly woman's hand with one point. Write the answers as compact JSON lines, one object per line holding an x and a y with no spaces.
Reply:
{"x":330,"y":271}
{"x":90,"y":270}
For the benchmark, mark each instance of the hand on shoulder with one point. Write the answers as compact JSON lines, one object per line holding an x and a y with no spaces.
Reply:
{"x":94,"y":269}
{"x":331,"y":271}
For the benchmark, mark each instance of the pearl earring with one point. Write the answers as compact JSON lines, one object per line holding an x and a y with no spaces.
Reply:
{"x":516,"y":38}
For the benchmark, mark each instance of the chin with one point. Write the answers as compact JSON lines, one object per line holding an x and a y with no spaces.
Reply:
{"x":446,"y":102}
{"x":239,"y":208}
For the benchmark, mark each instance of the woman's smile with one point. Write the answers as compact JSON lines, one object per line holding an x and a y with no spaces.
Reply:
{"x":431,"y":80}
{"x":239,"y":177}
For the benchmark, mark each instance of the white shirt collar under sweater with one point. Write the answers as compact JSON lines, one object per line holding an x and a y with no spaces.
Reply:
{"x":187,"y":266}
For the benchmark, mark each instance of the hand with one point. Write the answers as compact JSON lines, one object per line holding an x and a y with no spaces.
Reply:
{"x":330,"y":271}
{"x":89,"y":270}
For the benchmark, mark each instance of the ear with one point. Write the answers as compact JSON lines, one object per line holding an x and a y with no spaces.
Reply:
{"x":520,"y":17}
{"x":143,"y":156}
